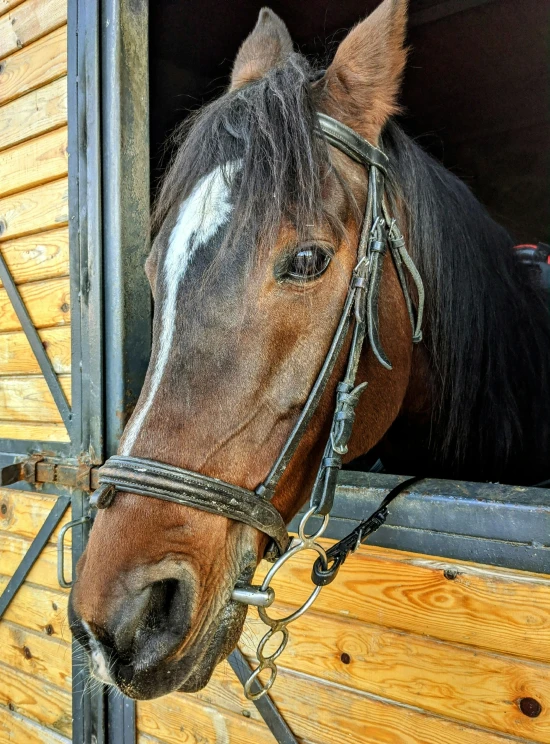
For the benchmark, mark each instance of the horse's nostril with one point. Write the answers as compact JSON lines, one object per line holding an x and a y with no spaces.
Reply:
{"x":165,"y":600}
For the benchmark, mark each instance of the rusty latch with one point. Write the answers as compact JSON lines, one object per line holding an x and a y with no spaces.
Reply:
{"x":36,"y":469}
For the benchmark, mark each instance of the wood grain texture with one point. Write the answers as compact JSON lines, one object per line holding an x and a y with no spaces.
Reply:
{"x":29,"y":399}
{"x":39,"y":256}
{"x":185,"y":721}
{"x":34,"y":432}
{"x":37,"y":112}
{"x":504,"y":611}
{"x":35,"y":654}
{"x":323,"y":714}
{"x":24,"y":512}
{"x":35,"y":210}
{"x":32,"y":163}
{"x":15,"y":729}
{"x":34,"y":699}
{"x":457,"y":682}
{"x":43,"y":572}
{"x":39,"y":609}
{"x":48,"y":304}
{"x":35,"y":66}
{"x":29,"y":21}
{"x":6,"y":5}
{"x":17,"y":357}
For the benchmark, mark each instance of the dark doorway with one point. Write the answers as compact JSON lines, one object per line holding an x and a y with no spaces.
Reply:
{"x":476,"y":91}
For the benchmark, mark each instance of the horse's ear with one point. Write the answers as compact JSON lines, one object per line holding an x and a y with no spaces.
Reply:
{"x":362,"y":83}
{"x":267,"y":46}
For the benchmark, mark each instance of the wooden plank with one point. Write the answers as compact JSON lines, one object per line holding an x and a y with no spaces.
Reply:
{"x":39,"y":256}
{"x":34,"y":699}
{"x":39,"y":609}
{"x":35,"y":66}
{"x":35,"y":654}
{"x":318,"y":712}
{"x":34,"y":210}
{"x":36,"y":113}
{"x":43,"y":572}
{"x":29,"y":399}
{"x":460,"y":683}
{"x":48,"y":303}
{"x":501,"y":610}
{"x":6,"y":5}
{"x":24,"y":512}
{"x":38,"y":161}
{"x":34,"y":432}
{"x":17,"y":358}
{"x":28,"y":22}
{"x":15,"y":729}
{"x":163,"y":719}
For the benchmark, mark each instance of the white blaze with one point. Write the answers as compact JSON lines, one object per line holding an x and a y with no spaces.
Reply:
{"x":201,"y":215}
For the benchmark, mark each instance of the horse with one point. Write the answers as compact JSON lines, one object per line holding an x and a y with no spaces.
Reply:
{"x":257,"y":226}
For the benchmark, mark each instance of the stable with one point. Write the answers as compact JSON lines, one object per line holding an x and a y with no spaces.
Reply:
{"x":437,"y":630}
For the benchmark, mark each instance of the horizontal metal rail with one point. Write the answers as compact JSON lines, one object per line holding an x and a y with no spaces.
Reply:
{"x":490,"y":523}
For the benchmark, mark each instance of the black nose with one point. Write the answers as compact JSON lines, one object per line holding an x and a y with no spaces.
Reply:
{"x":147,"y":626}
{"x":153,"y":623}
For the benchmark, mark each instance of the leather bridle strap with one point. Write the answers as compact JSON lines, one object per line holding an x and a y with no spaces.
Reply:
{"x":168,"y":483}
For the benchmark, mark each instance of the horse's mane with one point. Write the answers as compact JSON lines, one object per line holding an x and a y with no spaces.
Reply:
{"x":487,"y":321}
{"x":487,"y":327}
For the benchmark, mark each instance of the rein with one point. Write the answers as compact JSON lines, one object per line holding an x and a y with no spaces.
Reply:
{"x":379,"y":233}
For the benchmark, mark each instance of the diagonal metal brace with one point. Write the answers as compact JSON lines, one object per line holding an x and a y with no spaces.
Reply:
{"x":265,"y":705}
{"x":36,"y":344}
{"x":37,"y":545}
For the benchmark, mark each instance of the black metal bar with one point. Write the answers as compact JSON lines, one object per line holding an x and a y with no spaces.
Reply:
{"x":125,"y":241}
{"x":500,"y":525}
{"x":37,"y":545}
{"x":89,"y":701}
{"x":126,"y":208}
{"x":121,"y":716}
{"x":265,"y":705}
{"x":35,"y":343}
{"x":85,"y":229}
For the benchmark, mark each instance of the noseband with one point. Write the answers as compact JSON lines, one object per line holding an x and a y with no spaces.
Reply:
{"x":379,"y":233}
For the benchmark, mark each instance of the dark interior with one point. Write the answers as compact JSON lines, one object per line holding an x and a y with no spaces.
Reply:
{"x":476,"y":91}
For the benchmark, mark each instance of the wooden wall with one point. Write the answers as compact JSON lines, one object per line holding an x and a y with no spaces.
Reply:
{"x":35,"y":642}
{"x":401,"y":649}
{"x":35,"y":651}
{"x":33,"y":211}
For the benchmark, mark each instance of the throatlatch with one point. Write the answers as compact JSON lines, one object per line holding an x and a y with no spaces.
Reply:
{"x":379,"y":234}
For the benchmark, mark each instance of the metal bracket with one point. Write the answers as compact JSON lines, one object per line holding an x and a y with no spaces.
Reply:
{"x":61,"y":550}
{"x":36,"y":469}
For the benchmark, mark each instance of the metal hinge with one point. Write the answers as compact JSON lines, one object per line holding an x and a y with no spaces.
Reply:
{"x":36,"y":469}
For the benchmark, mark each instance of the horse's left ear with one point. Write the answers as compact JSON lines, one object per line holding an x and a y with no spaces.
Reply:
{"x":268,"y":45}
{"x":362,"y":84}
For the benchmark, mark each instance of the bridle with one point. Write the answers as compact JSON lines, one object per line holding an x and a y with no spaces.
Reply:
{"x":379,"y":232}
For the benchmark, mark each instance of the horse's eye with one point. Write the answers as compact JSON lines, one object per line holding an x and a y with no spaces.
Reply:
{"x":308,"y":263}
